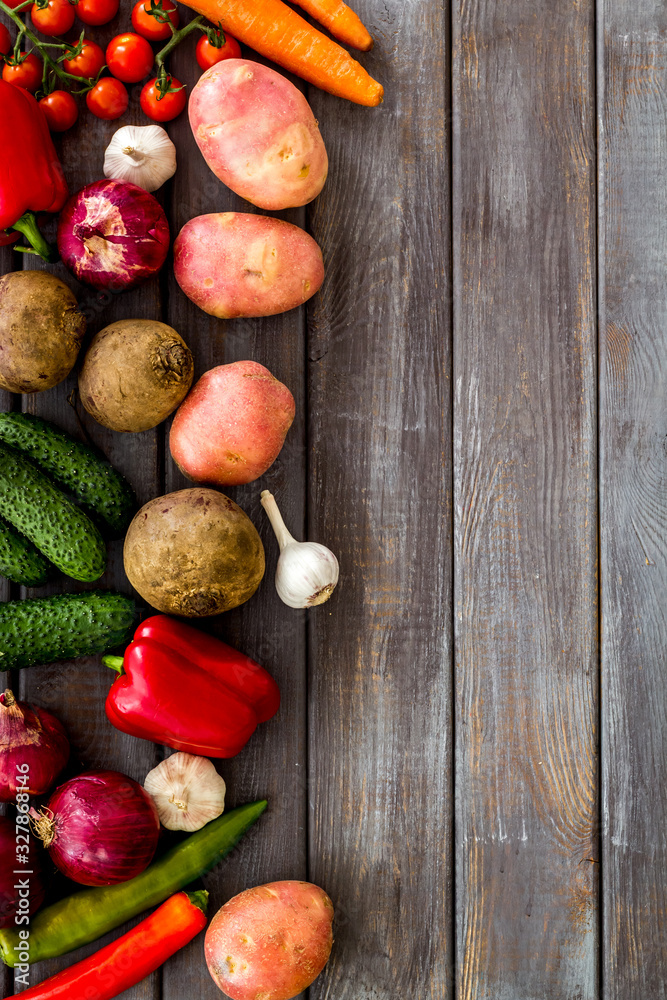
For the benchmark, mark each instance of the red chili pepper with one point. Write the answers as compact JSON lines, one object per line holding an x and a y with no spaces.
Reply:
{"x":188,"y":690}
{"x":31,"y":178}
{"x":125,"y":962}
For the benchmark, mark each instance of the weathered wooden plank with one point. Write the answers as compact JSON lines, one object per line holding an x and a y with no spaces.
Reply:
{"x":273,"y":765}
{"x":7,"y":263}
{"x":76,"y":691}
{"x":633,"y":496}
{"x":525,"y":499}
{"x":380,"y":497}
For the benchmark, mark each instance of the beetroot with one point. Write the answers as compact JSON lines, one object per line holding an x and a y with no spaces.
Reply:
{"x":113,"y":235}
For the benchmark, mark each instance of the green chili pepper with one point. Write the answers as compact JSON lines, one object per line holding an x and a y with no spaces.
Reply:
{"x":87,"y":915}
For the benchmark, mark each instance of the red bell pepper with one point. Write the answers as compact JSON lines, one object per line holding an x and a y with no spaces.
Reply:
{"x":125,"y":962}
{"x":188,"y":690}
{"x":31,"y":178}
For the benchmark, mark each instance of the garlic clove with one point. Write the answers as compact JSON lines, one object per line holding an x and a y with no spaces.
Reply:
{"x":187,"y":790}
{"x":307,"y":572}
{"x":140,"y":154}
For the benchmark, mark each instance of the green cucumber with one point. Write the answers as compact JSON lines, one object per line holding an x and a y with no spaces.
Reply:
{"x":46,"y":629}
{"x":20,"y":561}
{"x":39,"y":510}
{"x":99,"y":488}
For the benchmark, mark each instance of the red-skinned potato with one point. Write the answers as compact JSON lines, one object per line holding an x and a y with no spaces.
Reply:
{"x":258,"y":135}
{"x":270,"y":942}
{"x":231,"y":264}
{"x":232,"y":425}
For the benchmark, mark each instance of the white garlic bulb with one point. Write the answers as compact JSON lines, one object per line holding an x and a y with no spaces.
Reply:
{"x":307,"y":572}
{"x":187,"y":791}
{"x":140,"y":154}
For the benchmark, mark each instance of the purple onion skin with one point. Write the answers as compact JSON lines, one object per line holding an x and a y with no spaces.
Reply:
{"x":30,"y":735}
{"x":113,"y":235}
{"x":9,"y":842}
{"x":106,"y":828}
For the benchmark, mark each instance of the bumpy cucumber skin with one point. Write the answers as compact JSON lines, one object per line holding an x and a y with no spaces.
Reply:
{"x":46,"y":629}
{"x":20,"y":561}
{"x":59,"y":529}
{"x":102,"y":490}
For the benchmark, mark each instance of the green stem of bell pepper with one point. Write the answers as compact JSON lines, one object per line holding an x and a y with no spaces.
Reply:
{"x":87,"y":915}
{"x":27,"y":225}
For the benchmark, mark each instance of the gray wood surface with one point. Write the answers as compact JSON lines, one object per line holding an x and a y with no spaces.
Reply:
{"x":273,"y":765}
{"x":525,"y":500}
{"x":434,"y":764}
{"x":379,"y":473}
{"x":6,"y":259}
{"x":633,"y":496}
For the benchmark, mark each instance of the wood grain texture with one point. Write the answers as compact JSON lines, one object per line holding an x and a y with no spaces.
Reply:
{"x":525,"y":499}
{"x":633,"y":496}
{"x":75,"y":692}
{"x":273,"y":764}
{"x":380,"y":497}
{"x":7,"y":257}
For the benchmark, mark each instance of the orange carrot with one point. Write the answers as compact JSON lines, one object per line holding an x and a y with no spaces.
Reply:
{"x":342,"y":22}
{"x":276,"y":31}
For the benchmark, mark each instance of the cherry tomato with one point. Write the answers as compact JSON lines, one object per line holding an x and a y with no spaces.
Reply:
{"x":108,"y":98}
{"x":60,"y":109}
{"x":208,"y":55}
{"x":96,"y":11}
{"x":5,"y":41}
{"x":150,"y":27}
{"x":54,"y":19}
{"x":14,"y":3}
{"x":88,"y":63}
{"x":167,"y":107}
{"x":27,"y":74}
{"x":129,"y":57}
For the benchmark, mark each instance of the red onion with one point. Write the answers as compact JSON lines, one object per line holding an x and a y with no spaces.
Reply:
{"x":15,"y":898}
{"x":100,"y":828}
{"x":33,"y":740}
{"x":113,"y":235}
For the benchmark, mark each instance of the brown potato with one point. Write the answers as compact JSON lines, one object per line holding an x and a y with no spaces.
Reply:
{"x":134,"y":374}
{"x":193,"y":553}
{"x":41,"y":331}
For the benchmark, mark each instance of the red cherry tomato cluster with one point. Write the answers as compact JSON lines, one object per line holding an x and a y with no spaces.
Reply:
{"x":129,"y":58}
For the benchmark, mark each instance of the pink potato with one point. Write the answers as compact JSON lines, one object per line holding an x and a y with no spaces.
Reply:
{"x":258,"y":135}
{"x":270,"y":942}
{"x":231,"y":264}
{"x":232,"y":425}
